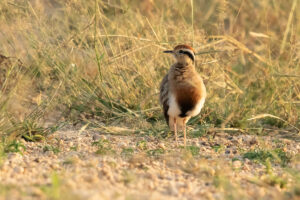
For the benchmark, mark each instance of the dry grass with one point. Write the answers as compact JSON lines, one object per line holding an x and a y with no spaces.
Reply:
{"x":102,"y":60}
{"x":99,"y":64}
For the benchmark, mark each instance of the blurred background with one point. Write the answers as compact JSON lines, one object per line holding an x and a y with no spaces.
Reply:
{"x":99,"y":63}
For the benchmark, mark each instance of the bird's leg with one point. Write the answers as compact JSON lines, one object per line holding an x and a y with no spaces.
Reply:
{"x":184,"y":131}
{"x":175,"y":131}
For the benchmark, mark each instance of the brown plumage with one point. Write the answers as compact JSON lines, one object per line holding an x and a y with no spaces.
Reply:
{"x":164,"y":97}
{"x":182,"y":92}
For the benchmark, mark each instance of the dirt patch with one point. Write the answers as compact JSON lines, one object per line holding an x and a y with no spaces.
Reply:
{"x":88,"y":165}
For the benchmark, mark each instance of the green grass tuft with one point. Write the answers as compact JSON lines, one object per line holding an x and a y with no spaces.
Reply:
{"x":155,"y":152}
{"x":193,"y":149}
{"x":54,"y":149}
{"x":262,"y":156}
{"x":127,"y":152}
{"x":103,"y":146}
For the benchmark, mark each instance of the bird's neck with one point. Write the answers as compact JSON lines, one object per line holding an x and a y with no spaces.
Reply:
{"x":184,"y":66}
{"x":181,"y":71}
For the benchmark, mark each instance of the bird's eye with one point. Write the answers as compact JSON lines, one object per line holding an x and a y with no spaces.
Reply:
{"x":180,"y":51}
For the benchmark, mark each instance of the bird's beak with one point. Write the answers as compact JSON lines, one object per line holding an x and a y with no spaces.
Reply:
{"x":169,"y":51}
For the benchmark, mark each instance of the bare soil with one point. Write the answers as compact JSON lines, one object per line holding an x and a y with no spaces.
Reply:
{"x":75,"y":165}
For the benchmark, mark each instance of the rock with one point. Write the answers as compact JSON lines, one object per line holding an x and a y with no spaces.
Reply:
{"x":172,"y":189}
{"x":96,"y":137}
{"x":71,"y":144}
{"x":253,"y":141}
{"x":106,"y":171}
{"x":162,"y":145}
{"x":60,"y":142}
{"x":36,"y":192}
{"x":236,"y":164}
{"x":246,"y":167}
{"x":55,"y":166}
{"x":90,"y":178}
{"x":249,"y":140}
{"x":92,"y":162}
{"x":230,"y":137}
{"x":122,"y":145}
{"x":15,"y":157}
{"x":37,"y":160}
{"x":237,"y":141}
{"x":26,"y":159}
{"x":18,"y":170}
{"x":151,"y":185}
{"x":247,"y":161}
{"x":49,"y":153}
{"x":297,"y":166}
{"x":103,"y":137}
{"x":70,"y":183}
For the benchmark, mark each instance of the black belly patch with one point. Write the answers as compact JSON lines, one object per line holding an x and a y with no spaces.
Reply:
{"x":187,"y":98}
{"x":186,"y":107}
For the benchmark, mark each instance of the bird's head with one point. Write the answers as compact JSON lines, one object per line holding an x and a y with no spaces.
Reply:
{"x":183,"y":53}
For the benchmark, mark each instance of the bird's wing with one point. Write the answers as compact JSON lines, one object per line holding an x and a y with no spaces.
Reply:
{"x":164,"y":97}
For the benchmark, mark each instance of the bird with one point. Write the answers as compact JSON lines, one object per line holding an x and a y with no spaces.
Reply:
{"x":182,"y":91}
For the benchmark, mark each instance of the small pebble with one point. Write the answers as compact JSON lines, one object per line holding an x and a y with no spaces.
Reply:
{"x":18,"y":170}
{"x":236,"y":164}
{"x":96,"y":137}
{"x":162,"y":145}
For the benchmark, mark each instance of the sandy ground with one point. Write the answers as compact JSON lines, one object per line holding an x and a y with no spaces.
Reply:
{"x":70,"y":165}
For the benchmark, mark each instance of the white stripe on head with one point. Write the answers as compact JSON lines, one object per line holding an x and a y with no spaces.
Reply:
{"x":190,"y":53}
